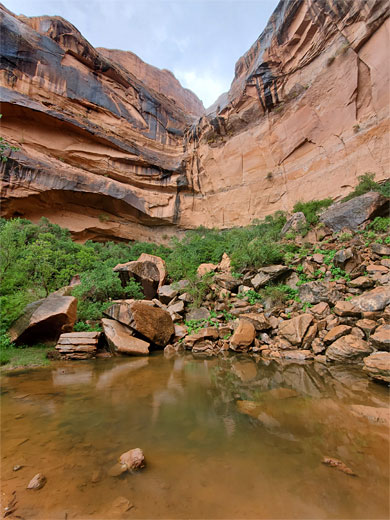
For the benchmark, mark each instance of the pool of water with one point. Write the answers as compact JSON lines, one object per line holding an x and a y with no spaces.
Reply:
{"x":228,"y":438}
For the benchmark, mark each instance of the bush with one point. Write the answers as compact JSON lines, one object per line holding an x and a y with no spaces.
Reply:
{"x":311,"y":209}
{"x":96,"y":290}
{"x":278,"y":294}
{"x":366,"y":184}
{"x":380,"y":224}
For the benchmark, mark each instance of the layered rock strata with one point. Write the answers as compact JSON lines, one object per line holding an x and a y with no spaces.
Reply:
{"x":113,"y":148}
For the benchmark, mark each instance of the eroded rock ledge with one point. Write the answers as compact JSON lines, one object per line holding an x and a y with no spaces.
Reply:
{"x":113,"y":148}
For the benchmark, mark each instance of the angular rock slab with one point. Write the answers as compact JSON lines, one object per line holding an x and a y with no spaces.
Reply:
{"x":372,"y":301}
{"x":377,"y":366}
{"x":295,"y":329}
{"x":381,"y":338}
{"x":151,"y":322}
{"x":244,"y":335}
{"x":348,"y":348}
{"x":121,"y":340}
{"x":354,"y":212}
{"x":316,"y":292}
{"x":44,"y":320}
{"x":148,"y":270}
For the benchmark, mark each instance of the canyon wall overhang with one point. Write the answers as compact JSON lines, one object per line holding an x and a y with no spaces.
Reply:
{"x":113,"y":148}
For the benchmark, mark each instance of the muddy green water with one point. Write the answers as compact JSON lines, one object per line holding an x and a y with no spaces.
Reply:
{"x":230,"y":438}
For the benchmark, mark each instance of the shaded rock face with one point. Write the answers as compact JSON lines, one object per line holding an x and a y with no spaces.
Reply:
{"x":356,"y":211}
{"x":151,"y":322}
{"x":44,"y":320}
{"x":111,"y":147}
{"x":100,"y":150}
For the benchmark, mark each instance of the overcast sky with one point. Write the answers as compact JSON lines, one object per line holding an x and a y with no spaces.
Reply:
{"x":198,"y":40}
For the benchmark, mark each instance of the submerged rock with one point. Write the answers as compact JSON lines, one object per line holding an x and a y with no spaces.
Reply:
{"x":339,"y":465}
{"x":37,"y":482}
{"x":133,"y":459}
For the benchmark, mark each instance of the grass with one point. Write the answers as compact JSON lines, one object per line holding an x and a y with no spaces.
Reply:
{"x":14,"y":357}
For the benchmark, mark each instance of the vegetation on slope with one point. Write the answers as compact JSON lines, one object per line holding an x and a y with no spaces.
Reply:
{"x":37,"y":259}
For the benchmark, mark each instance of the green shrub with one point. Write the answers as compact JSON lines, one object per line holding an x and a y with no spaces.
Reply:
{"x":81,"y":326}
{"x":366,"y":184}
{"x":198,"y":288}
{"x":97,"y":288}
{"x":380,"y":224}
{"x":278,"y":294}
{"x":311,"y":209}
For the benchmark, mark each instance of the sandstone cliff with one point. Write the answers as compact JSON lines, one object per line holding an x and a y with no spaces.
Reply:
{"x":100,"y":151}
{"x":111,"y":147}
{"x":307,"y":113}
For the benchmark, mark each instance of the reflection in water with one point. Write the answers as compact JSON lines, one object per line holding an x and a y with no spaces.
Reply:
{"x":232,"y":437}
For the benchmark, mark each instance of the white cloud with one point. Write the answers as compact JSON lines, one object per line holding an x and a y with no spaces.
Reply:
{"x":206,"y":85}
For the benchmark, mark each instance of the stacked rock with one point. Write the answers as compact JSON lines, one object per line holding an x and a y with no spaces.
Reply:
{"x":78,"y":345}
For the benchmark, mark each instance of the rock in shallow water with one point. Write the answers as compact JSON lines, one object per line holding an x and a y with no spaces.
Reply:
{"x":37,"y":482}
{"x":133,"y":459}
{"x":377,"y":366}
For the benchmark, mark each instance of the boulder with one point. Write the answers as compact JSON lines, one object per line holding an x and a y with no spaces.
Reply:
{"x":344,"y":309}
{"x":166,"y":293}
{"x":381,"y":338}
{"x":206,"y":268}
{"x":374,"y":300}
{"x":224,"y":265}
{"x":148,"y":270}
{"x":244,"y":335}
{"x":44,"y":320}
{"x":133,"y":459}
{"x":348,"y":348}
{"x":149,"y":321}
{"x":377,"y":366}
{"x":226,"y":281}
{"x":198,"y":314}
{"x":336,"y":333}
{"x":361,"y":282}
{"x":121,"y":340}
{"x":320,"y":310}
{"x":295,"y":329}
{"x":176,"y":308}
{"x":206,"y":333}
{"x":269,"y":274}
{"x":296,"y":222}
{"x":258,"y":320}
{"x":316,"y":292}
{"x":381,"y":249}
{"x":354,"y":212}
{"x":366,"y":325}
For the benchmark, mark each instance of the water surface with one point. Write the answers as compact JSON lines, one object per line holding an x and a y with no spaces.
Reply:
{"x":227,"y":438}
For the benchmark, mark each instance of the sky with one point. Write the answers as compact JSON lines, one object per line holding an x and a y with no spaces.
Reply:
{"x":198,"y":40}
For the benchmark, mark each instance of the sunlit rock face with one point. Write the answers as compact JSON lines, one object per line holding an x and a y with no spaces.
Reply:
{"x":113,"y":148}
{"x":307,"y":113}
